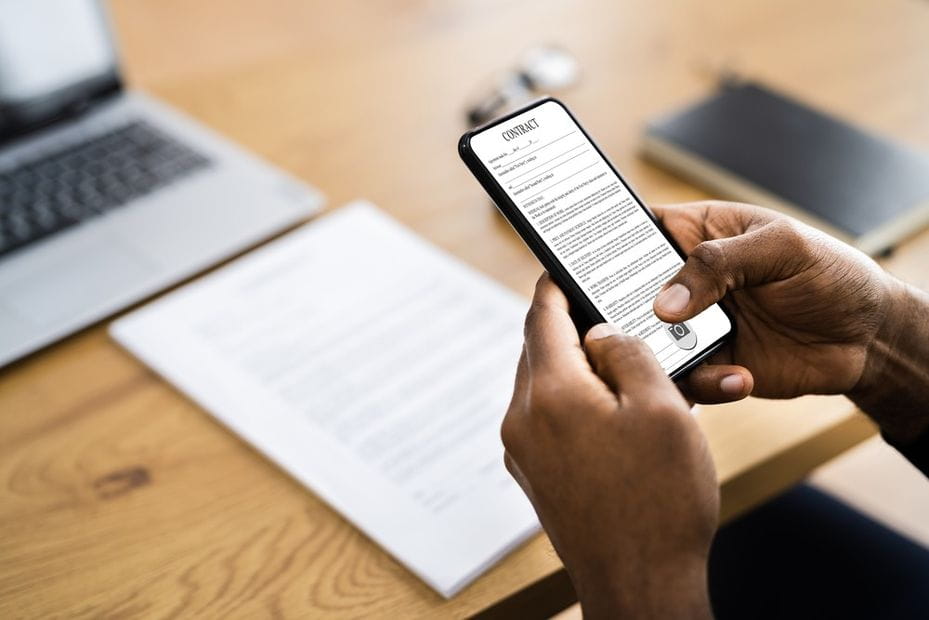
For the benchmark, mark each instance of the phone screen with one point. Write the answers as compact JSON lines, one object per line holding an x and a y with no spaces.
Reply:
{"x":590,"y":220}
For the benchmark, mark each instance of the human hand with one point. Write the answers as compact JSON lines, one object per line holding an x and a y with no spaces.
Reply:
{"x":605,"y":447}
{"x":806,"y":306}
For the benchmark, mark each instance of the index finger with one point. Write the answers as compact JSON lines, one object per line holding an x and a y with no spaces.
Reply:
{"x":685,"y":223}
{"x":552,"y":342}
{"x":625,"y":363}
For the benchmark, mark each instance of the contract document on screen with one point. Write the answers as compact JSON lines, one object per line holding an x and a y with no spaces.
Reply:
{"x":372,"y":367}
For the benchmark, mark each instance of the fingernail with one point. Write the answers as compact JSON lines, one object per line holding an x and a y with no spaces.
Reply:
{"x":673,"y":299}
{"x":732,"y":384}
{"x":603,"y":330}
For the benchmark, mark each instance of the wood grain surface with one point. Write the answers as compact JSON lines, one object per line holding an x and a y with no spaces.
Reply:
{"x":121,"y":498}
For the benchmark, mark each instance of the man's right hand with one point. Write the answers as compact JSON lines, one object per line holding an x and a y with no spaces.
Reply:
{"x":807,"y":307}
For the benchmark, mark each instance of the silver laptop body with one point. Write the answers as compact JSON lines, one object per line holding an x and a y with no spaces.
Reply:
{"x":205,"y":201}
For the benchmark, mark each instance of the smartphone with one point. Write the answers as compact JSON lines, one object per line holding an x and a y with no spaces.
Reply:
{"x":588,"y":228}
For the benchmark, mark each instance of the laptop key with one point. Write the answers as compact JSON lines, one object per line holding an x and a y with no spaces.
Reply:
{"x":39,"y":198}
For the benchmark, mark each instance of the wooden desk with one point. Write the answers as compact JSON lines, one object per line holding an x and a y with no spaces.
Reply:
{"x":121,"y":498}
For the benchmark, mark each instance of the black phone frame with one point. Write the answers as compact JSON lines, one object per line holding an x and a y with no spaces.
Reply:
{"x":583,"y":312}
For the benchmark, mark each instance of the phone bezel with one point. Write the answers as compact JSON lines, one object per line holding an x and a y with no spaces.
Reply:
{"x":584,"y":313}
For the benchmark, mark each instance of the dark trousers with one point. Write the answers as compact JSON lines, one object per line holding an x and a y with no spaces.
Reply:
{"x":807,"y":555}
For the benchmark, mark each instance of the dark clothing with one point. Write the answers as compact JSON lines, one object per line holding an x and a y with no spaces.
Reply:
{"x":807,"y":555}
{"x":917,"y":452}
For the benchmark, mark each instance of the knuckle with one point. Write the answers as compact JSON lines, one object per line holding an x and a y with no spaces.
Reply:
{"x":552,"y":404}
{"x":667,"y":415}
{"x":794,"y":239}
{"x":542,"y":282}
{"x":719,"y":204}
{"x":602,"y":350}
{"x":710,"y":257}
{"x":509,"y":463}
{"x":510,"y":432}
{"x":790,"y":233}
{"x":786,"y":229}
{"x":618,"y":343}
{"x":665,"y":405}
{"x":621,"y":350}
{"x":629,"y":348}
{"x":634,"y":344}
{"x":545,"y":397}
{"x":533,"y":318}
{"x":545,"y":290}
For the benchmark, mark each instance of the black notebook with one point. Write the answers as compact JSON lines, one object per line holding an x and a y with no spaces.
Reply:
{"x":751,"y":144}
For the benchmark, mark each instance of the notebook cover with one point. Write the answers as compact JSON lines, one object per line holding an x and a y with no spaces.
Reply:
{"x":854,"y":181}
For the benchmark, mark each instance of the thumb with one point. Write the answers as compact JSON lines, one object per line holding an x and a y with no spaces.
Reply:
{"x":626,"y":364}
{"x":718,"y":266}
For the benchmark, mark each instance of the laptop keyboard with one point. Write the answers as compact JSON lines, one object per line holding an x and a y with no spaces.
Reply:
{"x":63,"y":188}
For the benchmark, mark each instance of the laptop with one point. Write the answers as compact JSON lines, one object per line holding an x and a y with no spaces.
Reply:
{"x":108,"y":195}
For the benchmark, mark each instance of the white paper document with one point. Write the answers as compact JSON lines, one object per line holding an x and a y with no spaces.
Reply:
{"x":371,"y":366}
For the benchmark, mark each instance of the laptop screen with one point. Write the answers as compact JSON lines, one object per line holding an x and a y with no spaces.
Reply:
{"x":55,"y":57}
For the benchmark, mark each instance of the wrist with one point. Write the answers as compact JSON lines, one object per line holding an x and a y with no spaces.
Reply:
{"x":645,"y":588}
{"x":894,"y":385}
